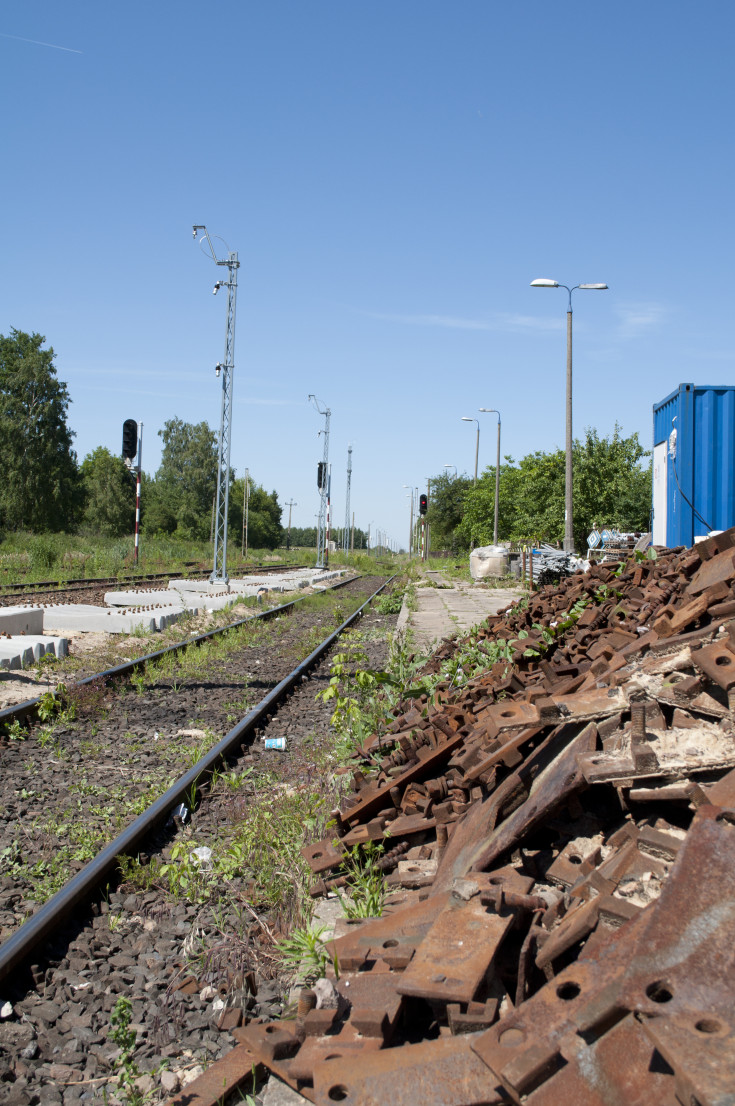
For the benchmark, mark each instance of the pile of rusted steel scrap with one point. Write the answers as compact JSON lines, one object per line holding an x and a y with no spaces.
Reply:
{"x":561,"y":833}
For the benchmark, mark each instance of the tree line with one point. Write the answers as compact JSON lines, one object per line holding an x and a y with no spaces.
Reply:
{"x":611,"y":488}
{"x":46,"y":489}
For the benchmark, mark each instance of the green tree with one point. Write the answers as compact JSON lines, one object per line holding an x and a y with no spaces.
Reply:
{"x":186,"y":482}
{"x":41,"y":488}
{"x":610,"y":489}
{"x":446,"y":508}
{"x":264,"y":516}
{"x":109,"y":494}
{"x":304,"y":537}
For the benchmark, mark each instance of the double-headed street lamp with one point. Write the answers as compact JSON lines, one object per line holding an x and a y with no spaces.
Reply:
{"x":466,"y":418}
{"x":494,"y":411}
{"x":543,"y":282}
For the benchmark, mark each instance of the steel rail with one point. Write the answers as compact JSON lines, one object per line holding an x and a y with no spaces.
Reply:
{"x":42,"y":924}
{"x":25,"y":710}
{"x":80,"y":583}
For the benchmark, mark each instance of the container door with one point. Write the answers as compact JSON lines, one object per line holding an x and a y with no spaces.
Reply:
{"x":660,"y":462}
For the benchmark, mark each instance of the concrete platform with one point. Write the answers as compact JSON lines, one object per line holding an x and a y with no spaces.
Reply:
{"x":21,"y":620}
{"x":451,"y":609}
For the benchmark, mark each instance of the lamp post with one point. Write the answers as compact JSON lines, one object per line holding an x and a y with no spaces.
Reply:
{"x":543,"y":282}
{"x":414,"y":514}
{"x":290,"y":506}
{"x":466,"y":418}
{"x":452,"y":467}
{"x":494,"y":411}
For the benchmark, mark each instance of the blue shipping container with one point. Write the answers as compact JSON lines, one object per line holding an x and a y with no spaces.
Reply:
{"x":693,"y":463}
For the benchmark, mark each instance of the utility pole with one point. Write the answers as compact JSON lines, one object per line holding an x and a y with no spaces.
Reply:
{"x":346,"y":536}
{"x":323,"y":485}
{"x":245,"y":509}
{"x":227,"y":370}
{"x":290,"y":506}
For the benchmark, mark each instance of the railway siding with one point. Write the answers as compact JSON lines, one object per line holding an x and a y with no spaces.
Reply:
{"x":183,"y":940}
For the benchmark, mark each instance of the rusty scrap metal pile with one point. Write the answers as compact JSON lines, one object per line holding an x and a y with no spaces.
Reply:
{"x":561,"y":927}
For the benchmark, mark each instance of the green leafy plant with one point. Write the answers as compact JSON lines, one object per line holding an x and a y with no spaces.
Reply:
{"x":390,"y":602}
{"x":15,"y":732}
{"x":126,"y":1066}
{"x":365,"y":896}
{"x":304,"y":954}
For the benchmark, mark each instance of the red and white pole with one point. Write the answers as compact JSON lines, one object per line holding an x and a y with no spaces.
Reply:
{"x":137,"y":493}
{"x":329,"y":500}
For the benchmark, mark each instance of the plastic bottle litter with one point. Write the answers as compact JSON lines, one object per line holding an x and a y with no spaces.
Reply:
{"x":180,"y":815}
{"x":203,"y":855}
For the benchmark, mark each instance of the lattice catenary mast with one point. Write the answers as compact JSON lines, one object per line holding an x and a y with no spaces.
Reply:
{"x":323,"y":484}
{"x":226,"y":369}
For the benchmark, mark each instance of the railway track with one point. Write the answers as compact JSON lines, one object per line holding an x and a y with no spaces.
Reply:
{"x":94,"y":588}
{"x":63,"y":969}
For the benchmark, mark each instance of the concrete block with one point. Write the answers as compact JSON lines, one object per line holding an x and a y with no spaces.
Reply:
{"x":24,"y":652}
{"x":14,"y":655}
{"x":89,"y":619}
{"x":57,"y":646}
{"x":21,"y":620}
{"x":139,"y":598}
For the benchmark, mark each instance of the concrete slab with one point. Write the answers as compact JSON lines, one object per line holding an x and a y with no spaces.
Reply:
{"x":23,"y":652}
{"x":200,"y":591}
{"x":140,"y":598}
{"x":90,"y":619}
{"x":14,"y":655}
{"x":452,"y":608}
{"x":21,"y":620}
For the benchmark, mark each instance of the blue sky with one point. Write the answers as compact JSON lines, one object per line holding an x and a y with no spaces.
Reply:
{"x":393,"y":175}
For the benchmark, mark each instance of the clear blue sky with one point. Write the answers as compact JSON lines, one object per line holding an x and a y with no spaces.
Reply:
{"x":393,"y":175}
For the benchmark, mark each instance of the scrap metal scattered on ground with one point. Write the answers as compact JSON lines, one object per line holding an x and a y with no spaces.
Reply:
{"x":560,"y":836}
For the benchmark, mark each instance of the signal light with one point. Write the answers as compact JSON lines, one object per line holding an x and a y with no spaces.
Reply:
{"x":130,"y":439}
{"x":423,"y":504}
{"x":321,"y":475}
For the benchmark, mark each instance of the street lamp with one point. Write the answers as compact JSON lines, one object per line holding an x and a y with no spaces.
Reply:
{"x":494,"y":411}
{"x":414,"y":515}
{"x":543,"y":282}
{"x":466,"y":418}
{"x":452,"y":467}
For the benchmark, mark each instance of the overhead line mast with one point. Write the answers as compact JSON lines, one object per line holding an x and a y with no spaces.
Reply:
{"x":323,"y":481}
{"x":226,"y":369}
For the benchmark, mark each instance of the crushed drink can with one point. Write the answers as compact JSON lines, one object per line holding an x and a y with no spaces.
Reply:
{"x":275,"y":743}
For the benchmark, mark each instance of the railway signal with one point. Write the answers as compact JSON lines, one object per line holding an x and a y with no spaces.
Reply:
{"x":423,"y":504}
{"x":129,"y":440}
{"x":132,"y":447}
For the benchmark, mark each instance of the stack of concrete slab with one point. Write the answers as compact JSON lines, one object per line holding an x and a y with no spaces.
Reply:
{"x":129,"y":612}
{"x":85,"y":617}
{"x":214,"y":598}
{"x":23,"y":641}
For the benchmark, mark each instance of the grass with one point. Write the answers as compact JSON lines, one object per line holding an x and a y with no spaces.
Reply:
{"x":64,"y":557}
